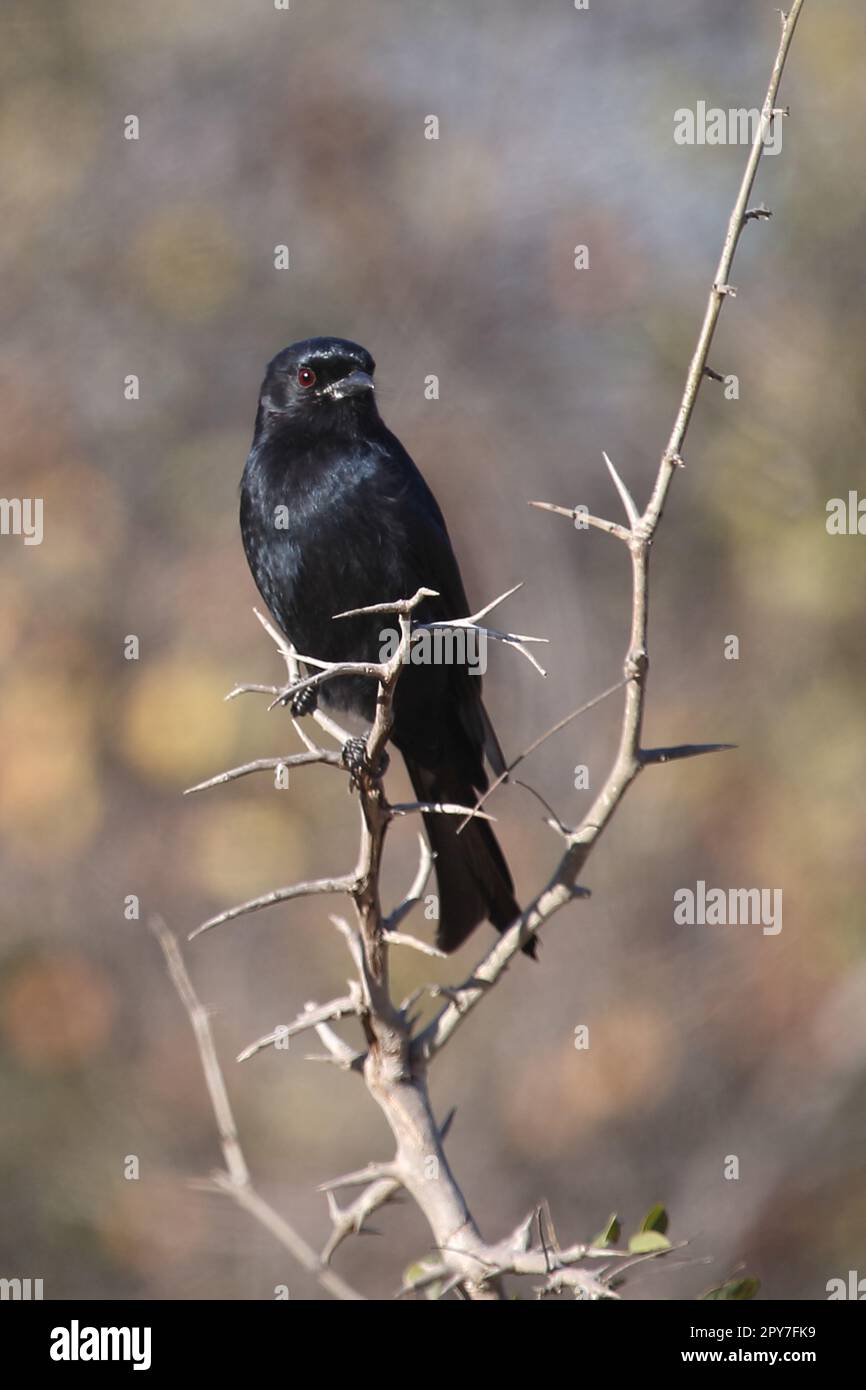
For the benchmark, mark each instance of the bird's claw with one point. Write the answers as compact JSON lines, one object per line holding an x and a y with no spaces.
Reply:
{"x":355,"y":760}
{"x":303,"y":701}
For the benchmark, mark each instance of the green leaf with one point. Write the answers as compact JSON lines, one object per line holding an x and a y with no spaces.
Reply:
{"x":656,"y":1219}
{"x":739,"y":1289}
{"x":416,"y":1273}
{"x":646,"y":1242}
{"x":611,"y":1233}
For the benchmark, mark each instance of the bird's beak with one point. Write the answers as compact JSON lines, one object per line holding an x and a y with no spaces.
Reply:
{"x":351,"y":385}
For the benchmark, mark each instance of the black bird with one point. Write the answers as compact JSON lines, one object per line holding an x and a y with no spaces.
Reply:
{"x":335,"y":515}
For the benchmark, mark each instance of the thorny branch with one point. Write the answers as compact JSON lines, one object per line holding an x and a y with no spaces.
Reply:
{"x":235,"y":1180}
{"x":396,"y":1059}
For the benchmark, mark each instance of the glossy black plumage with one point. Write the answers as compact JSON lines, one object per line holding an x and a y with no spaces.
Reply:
{"x":335,"y":515}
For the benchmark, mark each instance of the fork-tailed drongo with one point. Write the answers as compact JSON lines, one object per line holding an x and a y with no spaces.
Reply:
{"x":334,"y":516}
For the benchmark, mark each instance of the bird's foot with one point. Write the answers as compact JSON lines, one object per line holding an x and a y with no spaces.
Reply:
{"x":358,"y":764}
{"x":303,"y":701}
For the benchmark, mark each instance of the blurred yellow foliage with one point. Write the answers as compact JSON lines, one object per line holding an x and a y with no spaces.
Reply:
{"x":48,"y":137}
{"x":50,"y":799}
{"x":186,"y":262}
{"x":175,"y":726}
{"x":243,"y":848}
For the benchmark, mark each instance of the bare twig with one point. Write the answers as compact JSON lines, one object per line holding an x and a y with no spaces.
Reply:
{"x":351,"y":1219}
{"x":314,"y":1014}
{"x":542,"y":738}
{"x":578,"y":514}
{"x":277,"y":895}
{"x":318,"y":755}
{"x":235,"y":1181}
{"x":425,"y":866}
{"x":398,"y":938}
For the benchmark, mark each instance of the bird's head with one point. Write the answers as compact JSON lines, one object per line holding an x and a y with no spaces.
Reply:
{"x":319,"y":381}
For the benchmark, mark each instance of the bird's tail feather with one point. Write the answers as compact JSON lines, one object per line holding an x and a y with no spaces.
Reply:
{"x":473,"y":877}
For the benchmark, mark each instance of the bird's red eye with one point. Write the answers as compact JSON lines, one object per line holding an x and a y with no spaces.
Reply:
{"x":306,"y":376}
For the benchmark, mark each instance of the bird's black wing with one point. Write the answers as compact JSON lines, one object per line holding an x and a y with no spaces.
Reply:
{"x":432,"y":561}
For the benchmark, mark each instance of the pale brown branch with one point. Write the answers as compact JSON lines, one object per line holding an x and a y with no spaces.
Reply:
{"x":440,"y":808}
{"x":419,"y":883}
{"x":360,"y":1177}
{"x":320,"y":755}
{"x":277,"y":895}
{"x":350,"y":1220}
{"x":612,"y":528}
{"x":312,"y":1015}
{"x":398,"y":938}
{"x":235,"y":1181}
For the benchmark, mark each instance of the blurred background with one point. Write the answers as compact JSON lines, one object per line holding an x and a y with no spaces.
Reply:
{"x":451,"y":257}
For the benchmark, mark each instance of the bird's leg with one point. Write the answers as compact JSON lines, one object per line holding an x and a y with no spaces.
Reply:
{"x":354,"y":756}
